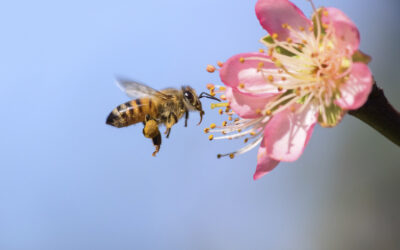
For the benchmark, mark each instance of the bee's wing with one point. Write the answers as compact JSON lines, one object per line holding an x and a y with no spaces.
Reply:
{"x":139,"y":90}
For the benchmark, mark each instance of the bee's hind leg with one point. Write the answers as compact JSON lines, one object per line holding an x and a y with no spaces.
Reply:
{"x":151,"y":130}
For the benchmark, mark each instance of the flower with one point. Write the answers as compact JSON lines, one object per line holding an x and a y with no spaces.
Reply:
{"x":311,"y":73}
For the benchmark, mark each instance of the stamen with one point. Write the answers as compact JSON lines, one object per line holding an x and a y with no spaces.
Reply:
{"x":210,"y":68}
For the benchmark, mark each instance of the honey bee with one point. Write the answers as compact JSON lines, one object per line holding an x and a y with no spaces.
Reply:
{"x":153,"y":107}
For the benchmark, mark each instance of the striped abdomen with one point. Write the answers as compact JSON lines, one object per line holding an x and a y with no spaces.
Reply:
{"x":132,"y":112}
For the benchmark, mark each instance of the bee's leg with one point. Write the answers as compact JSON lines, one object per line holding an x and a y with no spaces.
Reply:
{"x":157,"y":143}
{"x":151,"y":130}
{"x":172,"y":119}
{"x":186,"y":117}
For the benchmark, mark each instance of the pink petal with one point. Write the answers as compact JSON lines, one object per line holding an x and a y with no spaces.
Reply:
{"x":264,"y":163}
{"x":273,"y":13}
{"x":245,"y":106}
{"x":233,"y":73}
{"x":288,"y":132}
{"x":355,"y":92}
{"x":346,"y":31}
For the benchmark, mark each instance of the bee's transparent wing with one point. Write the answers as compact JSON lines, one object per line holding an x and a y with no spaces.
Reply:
{"x":139,"y":90}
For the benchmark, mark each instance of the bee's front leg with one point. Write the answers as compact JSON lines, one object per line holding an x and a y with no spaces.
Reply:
{"x":186,"y":117}
{"x":151,"y":130}
{"x":171,"y":120}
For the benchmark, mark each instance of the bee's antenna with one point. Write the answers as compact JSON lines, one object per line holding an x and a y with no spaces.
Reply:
{"x":207,"y":95}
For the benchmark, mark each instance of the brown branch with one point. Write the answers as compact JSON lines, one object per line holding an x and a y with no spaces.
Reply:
{"x":380,"y":114}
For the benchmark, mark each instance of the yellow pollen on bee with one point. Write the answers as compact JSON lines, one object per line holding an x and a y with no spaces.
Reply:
{"x":241,"y":85}
{"x":210,"y":68}
{"x":224,"y":123}
{"x":280,"y":88}
{"x":261,"y":50}
{"x":241,"y":60}
{"x":232,"y":155}
{"x":223,"y":97}
{"x":206,"y":130}
{"x":220,"y":64}
{"x":270,"y":78}
{"x":289,"y":40}
{"x":210,"y":86}
{"x":275,"y":36}
{"x":210,"y":137}
{"x":268,"y":112}
{"x":212,"y":126}
{"x":220,"y":111}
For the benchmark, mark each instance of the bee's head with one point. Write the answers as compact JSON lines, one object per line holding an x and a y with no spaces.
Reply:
{"x":192,"y":100}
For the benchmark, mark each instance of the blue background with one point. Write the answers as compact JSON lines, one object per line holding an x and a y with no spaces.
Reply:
{"x":68,"y":181}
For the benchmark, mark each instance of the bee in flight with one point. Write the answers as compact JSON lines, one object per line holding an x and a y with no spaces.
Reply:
{"x":153,"y":107}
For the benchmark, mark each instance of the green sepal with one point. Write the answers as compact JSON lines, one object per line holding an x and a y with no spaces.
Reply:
{"x":268,"y":40}
{"x":333,"y":113}
{"x":303,"y":99}
{"x":360,"y":56}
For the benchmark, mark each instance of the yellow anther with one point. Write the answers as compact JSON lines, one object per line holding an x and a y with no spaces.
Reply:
{"x":220,"y":111}
{"x":280,"y":88}
{"x":209,"y":86}
{"x":270,"y":78}
{"x":206,"y":130}
{"x":223,"y":132}
{"x":258,"y":111}
{"x":260,"y":64}
{"x":212,"y":126}
{"x":230,"y":118}
{"x":261,"y":50}
{"x":280,"y":71}
{"x":270,"y":51}
{"x":275,"y":36}
{"x":268,"y":112}
{"x":210,"y":68}
{"x":252,"y":133}
{"x":301,"y":28}
{"x":304,"y":41}
{"x":292,"y":108}
{"x":220,"y":64}
{"x":289,"y":40}
{"x":283,"y":78}
{"x":219,"y":105}
{"x":236,"y":120}
{"x":325,"y":26}
{"x":212,"y":93}
{"x":298,"y":91}
{"x":223,"y":97}
{"x":311,"y":28}
{"x":325,"y":13}
{"x":232,"y":155}
{"x":239,"y":130}
{"x":285,"y":25}
{"x":241,"y":85}
{"x":210,"y":137}
{"x":222,"y":88}
{"x":241,"y":60}
{"x":224,"y":123}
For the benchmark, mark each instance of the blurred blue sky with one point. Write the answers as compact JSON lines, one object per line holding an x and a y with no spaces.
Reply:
{"x":68,"y":181}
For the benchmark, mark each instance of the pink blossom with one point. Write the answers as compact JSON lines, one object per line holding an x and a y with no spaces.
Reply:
{"x":307,"y":76}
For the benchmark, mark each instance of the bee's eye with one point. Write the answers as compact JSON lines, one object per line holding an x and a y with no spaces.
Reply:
{"x":189,"y":96}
